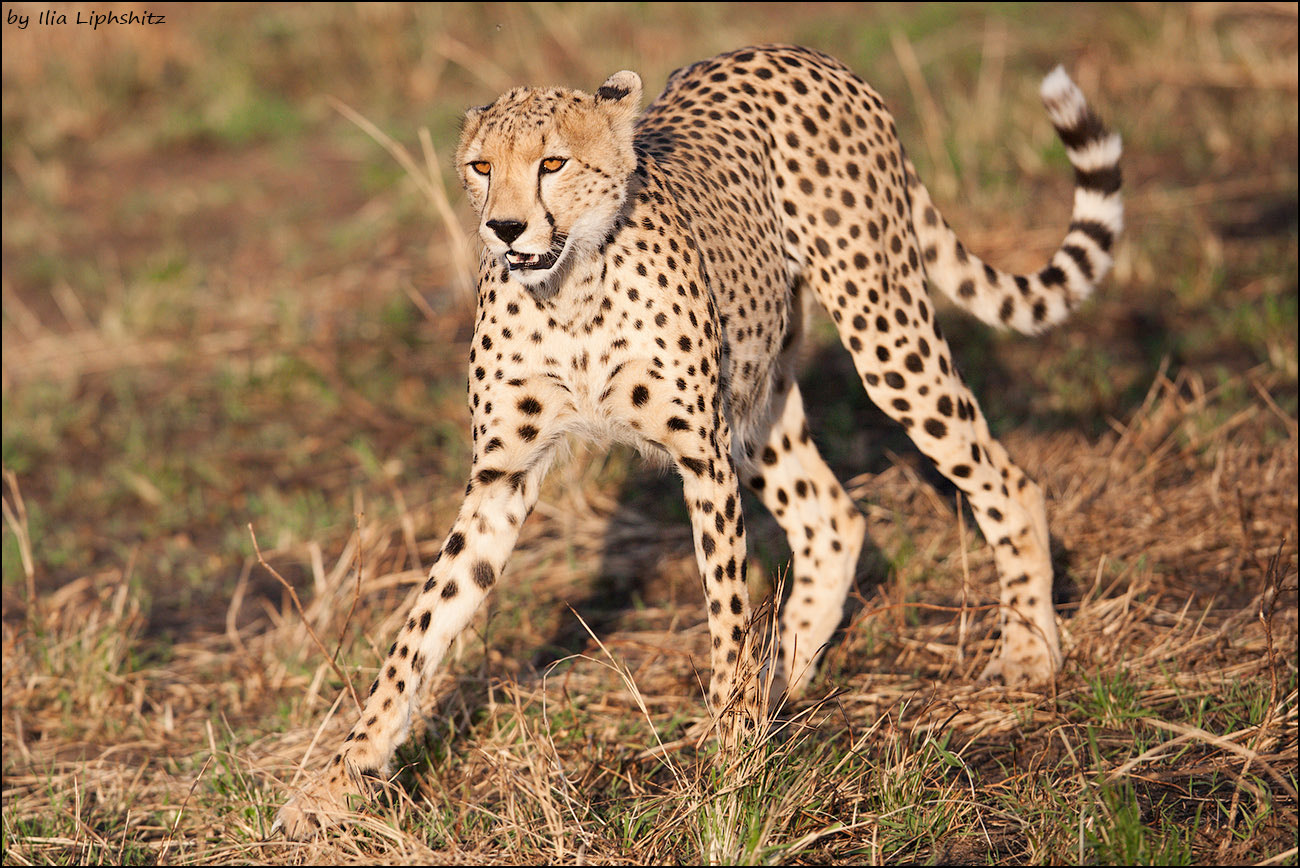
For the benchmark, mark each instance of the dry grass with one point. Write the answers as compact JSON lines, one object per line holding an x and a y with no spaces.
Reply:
{"x":238,"y":308}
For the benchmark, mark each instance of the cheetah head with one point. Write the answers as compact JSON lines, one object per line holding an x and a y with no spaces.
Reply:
{"x":547,"y":172}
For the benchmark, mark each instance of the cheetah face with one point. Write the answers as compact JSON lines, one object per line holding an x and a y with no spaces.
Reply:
{"x":547,"y":172}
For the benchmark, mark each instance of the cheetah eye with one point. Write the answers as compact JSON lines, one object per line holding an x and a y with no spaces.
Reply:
{"x":553,"y":164}
{"x":481,"y":166}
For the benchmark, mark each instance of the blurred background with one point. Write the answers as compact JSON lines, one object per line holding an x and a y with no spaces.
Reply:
{"x":235,"y":292}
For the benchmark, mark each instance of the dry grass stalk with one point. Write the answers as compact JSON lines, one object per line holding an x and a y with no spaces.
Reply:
{"x":430,"y":183}
{"x":298,"y":606}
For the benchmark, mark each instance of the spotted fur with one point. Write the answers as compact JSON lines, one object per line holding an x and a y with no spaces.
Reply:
{"x":644,"y":278}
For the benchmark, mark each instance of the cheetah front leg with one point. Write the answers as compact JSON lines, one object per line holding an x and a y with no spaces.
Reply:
{"x":711,"y":489}
{"x":464,"y":571}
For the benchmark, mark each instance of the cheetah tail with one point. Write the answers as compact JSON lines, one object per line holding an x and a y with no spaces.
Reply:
{"x":1032,"y":303}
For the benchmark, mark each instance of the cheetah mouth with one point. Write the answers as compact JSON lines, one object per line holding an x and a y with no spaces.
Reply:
{"x":538,"y":261}
{"x":530,"y":261}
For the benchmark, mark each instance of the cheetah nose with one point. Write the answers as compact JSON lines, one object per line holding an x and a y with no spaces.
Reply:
{"x":507,"y":230}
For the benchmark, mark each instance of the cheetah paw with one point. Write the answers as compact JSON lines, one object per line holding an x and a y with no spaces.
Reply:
{"x":1031,"y":669}
{"x":317,"y":807}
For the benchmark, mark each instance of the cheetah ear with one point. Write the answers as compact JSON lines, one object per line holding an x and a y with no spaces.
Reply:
{"x":468,"y":130}
{"x":470,"y":122}
{"x":472,"y":115}
{"x":620,"y":95}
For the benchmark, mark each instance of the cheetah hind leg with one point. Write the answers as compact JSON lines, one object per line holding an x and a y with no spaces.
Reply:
{"x":1030,"y":650}
{"x":907,"y":370}
{"x":825,"y":531}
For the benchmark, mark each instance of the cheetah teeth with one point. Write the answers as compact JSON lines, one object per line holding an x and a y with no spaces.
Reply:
{"x":528,"y":260}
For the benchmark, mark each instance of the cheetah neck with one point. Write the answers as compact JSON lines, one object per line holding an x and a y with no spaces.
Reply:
{"x":572,"y":295}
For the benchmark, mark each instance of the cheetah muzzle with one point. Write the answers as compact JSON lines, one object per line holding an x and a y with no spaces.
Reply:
{"x":645,"y":277}
{"x":535,"y":261}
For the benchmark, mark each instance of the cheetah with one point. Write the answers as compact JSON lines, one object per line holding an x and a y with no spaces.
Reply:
{"x":645,"y":278}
